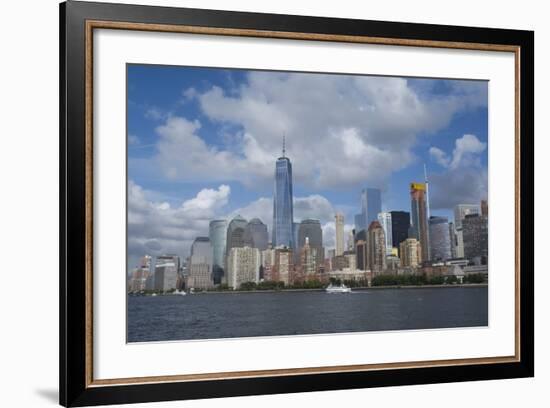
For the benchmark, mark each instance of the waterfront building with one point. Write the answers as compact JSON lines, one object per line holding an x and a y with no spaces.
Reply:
{"x":311,"y":228}
{"x":339,"y":227}
{"x":340,"y":262}
{"x":217,"y":232}
{"x":284,"y":266}
{"x":255,"y":234}
{"x":440,"y":239}
{"x":166,"y":273}
{"x":308,"y":259}
{"x":410,"y":253}
{"x":351,"y":259}
{"x":476,"y":244}
{"x":140,"y":274}
{"x":199,"y":268}
{"x":384,"y":218}
{"x":460,"y":212}
{"x":376,"y":248}
{"x":267,"y":264}
{"x":283,"y":213}
{"x":371,"y":206}
{"x":419,"y":217}
{"x":400,"y":223}
{"x":392,"y":263}
{"x":243,"y":265}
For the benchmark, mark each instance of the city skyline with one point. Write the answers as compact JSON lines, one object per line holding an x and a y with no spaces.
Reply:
{"x":168,"y":210}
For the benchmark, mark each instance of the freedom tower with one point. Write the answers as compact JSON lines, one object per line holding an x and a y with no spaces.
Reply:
{"x":283,"y":217}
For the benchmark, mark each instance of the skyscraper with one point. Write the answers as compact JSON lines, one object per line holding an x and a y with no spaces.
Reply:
{"x":217,"y":233}
{"x":440,"y":239}
{"x":400,"y":223}
{"x":310,"y":228}
{"x":283,"y":213}
{"x":308,"y":259}
{"x":200,"y":264}
{"x":235,"y":235}
{"x":476,"y":244}
{"x":166,"y":272}
{"x":255,"y":234}
{"x":484,"y":208}
{"x":461,"y":211}
{"x":384,"y":218}
{"x":371,"y":205}
{"x":339,"y":226}
{"x":419,"y":217}
{"x":376,"y":248}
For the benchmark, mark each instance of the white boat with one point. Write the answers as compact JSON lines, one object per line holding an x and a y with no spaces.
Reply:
{"x":337,"y":289}
{"x":180,"y":293}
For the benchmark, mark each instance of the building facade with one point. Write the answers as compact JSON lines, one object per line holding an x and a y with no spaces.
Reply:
{"x":440,"y":239}
{"x":217,"y":232}
{"x":199,"y":266}
{"x":311,"y":229}
{"x":410,"y":253}
{"x":476,"y":238}
{"x":283,"y":212}
{"x":166,"y":273}
{"x":235,"y":234}
{"x":461,"y":211}
{"x":376,"y":248}
{"x":384,"y":218}
{"x":339,"y":226}
{"x":400,"y":223}
{"x":255,"y":234}
{"x":371,"y":206}
{"x":419,"y":217}
{"x":243,"y":265}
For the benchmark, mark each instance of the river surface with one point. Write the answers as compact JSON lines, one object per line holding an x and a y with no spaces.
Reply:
{"x":224,"y":315}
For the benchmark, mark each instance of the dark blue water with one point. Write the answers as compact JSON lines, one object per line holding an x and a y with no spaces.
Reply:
{"x":223,"y":315}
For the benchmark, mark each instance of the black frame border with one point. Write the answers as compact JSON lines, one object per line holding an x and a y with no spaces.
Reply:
{"x":72,"y":124}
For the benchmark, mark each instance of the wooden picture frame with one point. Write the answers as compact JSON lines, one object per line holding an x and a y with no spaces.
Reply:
{"x":78,"y":20}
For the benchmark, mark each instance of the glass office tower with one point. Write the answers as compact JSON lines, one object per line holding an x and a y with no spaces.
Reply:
{"x":283,"y":216}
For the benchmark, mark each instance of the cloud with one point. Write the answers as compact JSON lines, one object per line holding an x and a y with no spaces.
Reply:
{"x":133,"y":140}
{"x":465,"y":152}
{"x":342,"y":131}
{"x":464,"y":180}
{"x":155,"y":227}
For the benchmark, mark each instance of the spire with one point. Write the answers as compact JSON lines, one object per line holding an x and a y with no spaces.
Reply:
{"x":284,"y":151}
{"x":427,"y":192}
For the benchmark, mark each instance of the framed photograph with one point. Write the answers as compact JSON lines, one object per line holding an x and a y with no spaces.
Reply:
{"x":257,"y":204}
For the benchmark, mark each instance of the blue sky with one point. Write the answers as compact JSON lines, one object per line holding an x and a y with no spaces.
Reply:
{"x":202,"y":144}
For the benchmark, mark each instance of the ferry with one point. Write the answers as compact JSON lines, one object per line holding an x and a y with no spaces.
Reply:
{"x":179,"y":293}
{"x":337,"y":289}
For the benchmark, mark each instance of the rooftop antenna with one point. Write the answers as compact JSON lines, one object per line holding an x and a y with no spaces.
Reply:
{"x":284,"y":145}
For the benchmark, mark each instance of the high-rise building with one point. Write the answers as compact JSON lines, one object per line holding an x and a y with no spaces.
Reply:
{"x":361,"y":254}
{"x":283,"y":213}
{"x":255,"y":234}
{"x":461,"y":211}
{"x":199,"y":267}
{"x":166,"y":272}
{"x":138,"y":279}
{"x":452,"y":234}
{"x":419,"y":217}
{"x":235,"y":234}
{"x":217,"y":233}
{"x":308,"y":259}
{"x":371,"y":206}
{"x":384,"y":218}
{"x":410,"y":253}
{"x":376,"y":248}
{"x":476,"y":234}
{"x":268,"y":264}
{"x":284,"y":265}
{"x":339,"y":226}
{"x":243,"y":265}
{"x":400,"y":223}
{"x":310,"y":228}
{"x":440,"y":239}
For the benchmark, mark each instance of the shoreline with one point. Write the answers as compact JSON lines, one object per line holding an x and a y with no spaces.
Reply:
{"x":356,"y":289}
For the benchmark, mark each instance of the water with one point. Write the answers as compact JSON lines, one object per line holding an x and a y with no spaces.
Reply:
{"x":223,"y":315}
